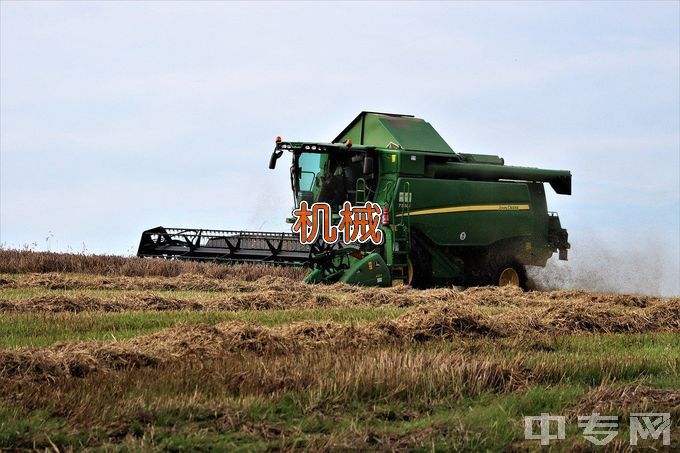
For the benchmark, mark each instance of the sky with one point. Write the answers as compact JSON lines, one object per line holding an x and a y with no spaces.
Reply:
{"x":117,"y":117}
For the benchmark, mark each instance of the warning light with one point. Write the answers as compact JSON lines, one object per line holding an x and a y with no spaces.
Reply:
{"x":278,"y":139}
{"x":348,"y":143}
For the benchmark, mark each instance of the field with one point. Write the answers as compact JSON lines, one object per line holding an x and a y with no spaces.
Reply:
{"x":111,"y":353}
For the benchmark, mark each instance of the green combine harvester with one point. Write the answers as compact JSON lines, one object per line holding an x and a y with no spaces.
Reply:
{"x":448,"y":218}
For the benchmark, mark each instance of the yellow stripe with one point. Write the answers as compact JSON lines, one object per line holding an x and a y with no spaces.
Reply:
{"x":487,"y":207}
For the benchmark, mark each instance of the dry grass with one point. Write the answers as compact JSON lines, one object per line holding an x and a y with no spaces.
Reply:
{"x":21,"y":261}
{"x":276,"y":292}
{"x":561,"y":314}
{"x":150,"y":301}
{"x":609,"y":399}
{"x":183,"y":282}
{"x":342,"y":374}
{"x":76,"y":303}
{"x":428,"y":322}
{"x":319,"y":382}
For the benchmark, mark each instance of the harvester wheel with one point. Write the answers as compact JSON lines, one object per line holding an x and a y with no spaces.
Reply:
{"x":419,"y":267}
{"x":508,"y":277}
{"x":409,"y":272}
{"x":507,"y":271}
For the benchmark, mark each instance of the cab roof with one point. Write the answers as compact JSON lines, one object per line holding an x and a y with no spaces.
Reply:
{"x":396,"y":131}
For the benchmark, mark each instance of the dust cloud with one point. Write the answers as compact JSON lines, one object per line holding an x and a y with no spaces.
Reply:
{"x":646,"y":266}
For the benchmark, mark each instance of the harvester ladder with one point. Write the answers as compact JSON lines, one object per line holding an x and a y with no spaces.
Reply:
{"x":402,"y":234}
{"x":406,"y":212}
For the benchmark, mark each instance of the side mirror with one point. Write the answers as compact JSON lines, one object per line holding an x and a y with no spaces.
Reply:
{"x":368,"y":165}
{"x":274,"y":158}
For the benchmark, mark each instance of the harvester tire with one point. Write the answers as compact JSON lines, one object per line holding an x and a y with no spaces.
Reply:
{"x":504,"y":270}
{"x":420,"y":267}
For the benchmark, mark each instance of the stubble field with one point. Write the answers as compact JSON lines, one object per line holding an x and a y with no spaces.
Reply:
{"x":111,"y":353}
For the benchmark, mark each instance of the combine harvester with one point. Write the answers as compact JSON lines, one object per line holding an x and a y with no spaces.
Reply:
{"x":448,"y":218}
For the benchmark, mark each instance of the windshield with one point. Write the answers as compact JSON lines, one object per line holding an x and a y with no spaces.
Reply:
{"x":330,"y":178}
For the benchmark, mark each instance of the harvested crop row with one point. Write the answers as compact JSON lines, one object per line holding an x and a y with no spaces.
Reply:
{"x":437,"y":321}
{"x":306,"y":298}
{"x":629,"y":398}
{"x":278,"y":292}
{"x":22,"y":261}
{"x":148,"y":301}
{"x":183,"y":282}
{"x":336,"y":374}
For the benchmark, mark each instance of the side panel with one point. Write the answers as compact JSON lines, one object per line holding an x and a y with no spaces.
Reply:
{"x":469,"y":213}
{"x":537,"y":249}
{"x":411,"y":164}
{"x":540,"y":208}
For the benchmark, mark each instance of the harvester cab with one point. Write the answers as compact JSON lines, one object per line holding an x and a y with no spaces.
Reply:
{"x":448,"y":218}
{"x":330,"y":173}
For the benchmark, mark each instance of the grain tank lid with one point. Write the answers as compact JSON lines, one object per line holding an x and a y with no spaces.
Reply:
{"x":385,"y":130}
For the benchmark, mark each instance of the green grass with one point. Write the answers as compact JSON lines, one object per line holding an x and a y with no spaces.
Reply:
{"x":43,"y":329}
{"x":595,"y":358}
